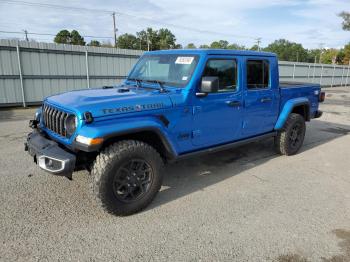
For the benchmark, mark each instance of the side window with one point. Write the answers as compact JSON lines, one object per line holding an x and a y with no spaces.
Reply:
{"x":225,"y":70}
{"x":258,"y":74}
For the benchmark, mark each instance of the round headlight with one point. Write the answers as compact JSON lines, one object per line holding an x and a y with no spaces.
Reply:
{"x":37,"y":115}
{"x":71,"y":124}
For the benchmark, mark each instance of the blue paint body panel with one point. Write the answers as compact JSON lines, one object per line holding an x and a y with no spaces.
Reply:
{"x":192,"y":122}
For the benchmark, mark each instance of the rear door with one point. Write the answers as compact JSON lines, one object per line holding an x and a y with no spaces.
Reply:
{"x":261,"y":95}
{"x":217,"y":117}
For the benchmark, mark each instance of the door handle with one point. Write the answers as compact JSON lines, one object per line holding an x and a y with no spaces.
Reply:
{"x":266,"y":100}
{"x":233,"y":103}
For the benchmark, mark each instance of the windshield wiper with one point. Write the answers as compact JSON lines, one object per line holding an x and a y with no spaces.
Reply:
{"x":137,"y":80}
{"x":160,"y":84}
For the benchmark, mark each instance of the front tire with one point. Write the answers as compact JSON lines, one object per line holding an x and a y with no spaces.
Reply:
{"x":126,"y":177}
{"x":290,"y":139}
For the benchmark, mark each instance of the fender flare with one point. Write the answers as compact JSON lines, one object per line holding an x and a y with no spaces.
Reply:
{"x":164,"y":139}
{"x":288,"y":108}
{"x":131,"y":127}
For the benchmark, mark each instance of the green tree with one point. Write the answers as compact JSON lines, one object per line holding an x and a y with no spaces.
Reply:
{"x":94,"y":43}
{"x":255,"y":48}
{"x":191,"y":46}
{"x":340,"y":57}
{"x":166,"y":38}
{"x":128,"y":41}
{"x":178,"y":46}
{"x":329,"y":56}
{"x":204,"y":46}
{"x":288,"y":51}
{"x":236,"y":47}
{"x":346,"y":51}
{"x":313,"y":55}
{"x":157,"y":39}
{"x":151,"y":36}
{"x":76,"y":38}
{"x":346,"y":20}
{"x":221,"y":44}
{"x":62,"y":37}
{"x":66,"y":37}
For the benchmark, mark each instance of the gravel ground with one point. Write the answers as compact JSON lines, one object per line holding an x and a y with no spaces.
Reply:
{"x":247,"y":204}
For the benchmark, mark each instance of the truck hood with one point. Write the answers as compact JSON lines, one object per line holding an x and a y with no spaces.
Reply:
{"x":112,"y":101}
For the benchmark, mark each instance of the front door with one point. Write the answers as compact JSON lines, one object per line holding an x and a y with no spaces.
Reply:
{"x":217,"y":117}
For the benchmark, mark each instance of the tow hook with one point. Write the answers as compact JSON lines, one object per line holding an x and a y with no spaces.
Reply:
{"x":33,"y":123}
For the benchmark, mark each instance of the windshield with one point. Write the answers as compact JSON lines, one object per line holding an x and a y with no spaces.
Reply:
{"x":175,"y":70}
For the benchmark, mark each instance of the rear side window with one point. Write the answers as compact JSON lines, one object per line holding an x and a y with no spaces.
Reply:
{"x":258,"y":74}
{"x":225,"y":70}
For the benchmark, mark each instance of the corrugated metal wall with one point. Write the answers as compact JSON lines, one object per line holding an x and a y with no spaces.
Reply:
{"x":324,"y":74}
{"x":50,"y":68}
{"x":47,"y":69}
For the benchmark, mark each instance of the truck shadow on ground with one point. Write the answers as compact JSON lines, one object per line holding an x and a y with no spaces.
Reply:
{"x":195,"y":174}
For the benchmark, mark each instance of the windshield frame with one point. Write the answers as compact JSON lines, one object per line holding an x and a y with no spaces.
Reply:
{"x":165,"y":83}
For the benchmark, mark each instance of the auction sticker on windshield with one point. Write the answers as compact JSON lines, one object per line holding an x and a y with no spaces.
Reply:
{"x":184,"y":60}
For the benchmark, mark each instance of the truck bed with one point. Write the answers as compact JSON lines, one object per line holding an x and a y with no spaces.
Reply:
{"x":295,"y":90}
{"x":288,"y":84}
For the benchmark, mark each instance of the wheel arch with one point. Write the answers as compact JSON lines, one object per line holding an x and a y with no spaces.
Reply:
{"x":150,"y":135}
{"x":299,"y":106}
{"x":303,"y":110}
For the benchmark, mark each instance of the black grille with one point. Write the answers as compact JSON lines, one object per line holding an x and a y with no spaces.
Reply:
{"x":54,"y":119}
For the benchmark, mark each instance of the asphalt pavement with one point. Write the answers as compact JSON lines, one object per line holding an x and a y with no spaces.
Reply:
{"x":246,"y":204}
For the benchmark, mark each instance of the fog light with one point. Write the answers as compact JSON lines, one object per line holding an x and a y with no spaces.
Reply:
{"x":51,"y":164}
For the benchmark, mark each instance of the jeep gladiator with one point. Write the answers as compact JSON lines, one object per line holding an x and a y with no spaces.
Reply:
{"x":174,"y":104}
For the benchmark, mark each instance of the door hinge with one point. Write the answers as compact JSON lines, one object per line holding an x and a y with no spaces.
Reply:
{"x":196,"y":133}
{"x":196,"y":109}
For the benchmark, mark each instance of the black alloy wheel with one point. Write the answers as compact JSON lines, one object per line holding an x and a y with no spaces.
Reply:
{"x":132,"y":180}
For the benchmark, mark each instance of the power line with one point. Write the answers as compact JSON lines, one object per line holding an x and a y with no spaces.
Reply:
{"x":45,"y":34}
{"x":56,"y":6}
{"x":185,"y":27}
{"x":71,"y":8}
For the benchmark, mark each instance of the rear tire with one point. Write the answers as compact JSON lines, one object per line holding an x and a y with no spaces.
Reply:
{"x":126,"y":177}
{"x":290,"y":139}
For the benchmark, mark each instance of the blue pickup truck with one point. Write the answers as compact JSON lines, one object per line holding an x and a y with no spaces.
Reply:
{"x":174,"y":104}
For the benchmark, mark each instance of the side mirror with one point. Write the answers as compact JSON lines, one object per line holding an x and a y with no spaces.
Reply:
{"x":209,"y":84}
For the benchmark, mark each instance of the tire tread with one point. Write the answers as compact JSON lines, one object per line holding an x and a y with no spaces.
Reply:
{"x":281,"y":140}
{"x":103,"y":164}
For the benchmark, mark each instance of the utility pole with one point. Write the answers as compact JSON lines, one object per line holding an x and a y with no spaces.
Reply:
{"x":313,"y":75}
{"x":26,"y":35}
{"x":147,"y":41}
{"x":258,"y":41}
{"x":114,"y":30}
{"x":321,"y":48}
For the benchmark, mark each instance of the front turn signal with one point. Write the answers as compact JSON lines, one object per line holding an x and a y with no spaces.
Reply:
{"x":88,"y":141}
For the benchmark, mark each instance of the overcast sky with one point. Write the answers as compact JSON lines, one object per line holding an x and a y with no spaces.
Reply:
{"x":310,"y":22}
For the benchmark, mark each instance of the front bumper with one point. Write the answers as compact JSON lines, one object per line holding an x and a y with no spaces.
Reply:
{"x":49,"y":155}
